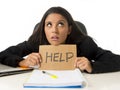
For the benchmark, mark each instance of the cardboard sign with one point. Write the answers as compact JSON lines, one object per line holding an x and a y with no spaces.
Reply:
{"x":61,"y":57}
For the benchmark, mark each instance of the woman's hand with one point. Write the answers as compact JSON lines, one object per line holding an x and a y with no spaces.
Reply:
{"x":83,"y":64}
{"x":31,"y":60}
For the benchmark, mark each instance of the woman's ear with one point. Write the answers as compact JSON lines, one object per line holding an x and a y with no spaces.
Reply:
{"x":69,"y":29}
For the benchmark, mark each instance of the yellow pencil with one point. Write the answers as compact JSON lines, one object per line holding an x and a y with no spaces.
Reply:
{"x":51,"y":75}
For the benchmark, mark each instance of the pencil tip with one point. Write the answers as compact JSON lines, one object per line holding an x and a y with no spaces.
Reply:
{"x":43,"y":71}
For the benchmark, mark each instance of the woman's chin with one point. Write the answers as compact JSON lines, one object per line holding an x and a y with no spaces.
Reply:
{"x":55,"y":44}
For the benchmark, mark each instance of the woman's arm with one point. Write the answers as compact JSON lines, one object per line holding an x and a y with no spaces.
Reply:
{"x":101,"y":60}
{"x":106,"y":61}
{"x":14,"y":54}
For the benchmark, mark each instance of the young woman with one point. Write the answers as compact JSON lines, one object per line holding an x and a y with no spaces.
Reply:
{"x":58,"y":27}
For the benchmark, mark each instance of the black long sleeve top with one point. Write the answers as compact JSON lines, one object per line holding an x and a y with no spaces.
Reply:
{"x":101,"y":60}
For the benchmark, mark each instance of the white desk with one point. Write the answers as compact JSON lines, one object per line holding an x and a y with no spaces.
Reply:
{"x":107,"y":81}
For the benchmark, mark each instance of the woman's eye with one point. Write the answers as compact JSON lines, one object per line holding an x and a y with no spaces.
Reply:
{"x":49,"y":24}
{"x":60,"y":24}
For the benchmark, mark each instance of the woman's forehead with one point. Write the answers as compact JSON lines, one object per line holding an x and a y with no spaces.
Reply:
{"x":55,"y":17}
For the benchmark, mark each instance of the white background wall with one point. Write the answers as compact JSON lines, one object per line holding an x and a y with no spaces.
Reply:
{"x":101,"y":18}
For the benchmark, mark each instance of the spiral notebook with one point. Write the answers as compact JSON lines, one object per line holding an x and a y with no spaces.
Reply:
{"x":55,"y":79}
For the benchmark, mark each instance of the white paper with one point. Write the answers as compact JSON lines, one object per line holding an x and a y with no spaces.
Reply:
{"x":64,"y":78}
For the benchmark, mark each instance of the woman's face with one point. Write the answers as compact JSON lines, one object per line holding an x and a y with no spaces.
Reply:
{"x":56,"y":29}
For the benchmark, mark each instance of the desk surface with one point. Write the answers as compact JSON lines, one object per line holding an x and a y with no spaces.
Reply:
{"x":106,"y":81}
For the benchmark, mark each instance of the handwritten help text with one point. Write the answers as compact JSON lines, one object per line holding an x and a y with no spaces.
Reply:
{"x":58,"y":57}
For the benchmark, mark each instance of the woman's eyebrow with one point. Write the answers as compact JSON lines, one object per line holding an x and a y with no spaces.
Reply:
{"x":62,"y":21}
{"x":47,"y":22}
{"x":57,"y":21}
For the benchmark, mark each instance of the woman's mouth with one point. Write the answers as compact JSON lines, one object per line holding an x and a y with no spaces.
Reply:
{"x":54,"y":38}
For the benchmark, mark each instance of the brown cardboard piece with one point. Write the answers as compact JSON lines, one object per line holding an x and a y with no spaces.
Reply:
{"x":61,"y":57}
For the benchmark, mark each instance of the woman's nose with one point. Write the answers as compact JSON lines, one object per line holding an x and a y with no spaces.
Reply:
{"x":55,"y":29}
